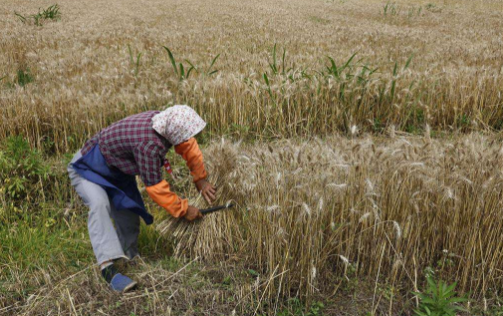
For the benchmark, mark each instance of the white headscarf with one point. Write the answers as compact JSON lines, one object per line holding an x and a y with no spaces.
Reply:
{"x":178,"y":124}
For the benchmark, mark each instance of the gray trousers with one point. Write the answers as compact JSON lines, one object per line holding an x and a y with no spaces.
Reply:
{"x":109,"y":241}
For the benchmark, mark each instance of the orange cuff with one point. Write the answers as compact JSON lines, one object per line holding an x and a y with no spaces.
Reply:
{"x":191,"y":153}
{"x":162,"y":195}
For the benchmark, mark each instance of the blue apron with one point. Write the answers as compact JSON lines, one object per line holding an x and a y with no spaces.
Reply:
{"x":121,"y":188}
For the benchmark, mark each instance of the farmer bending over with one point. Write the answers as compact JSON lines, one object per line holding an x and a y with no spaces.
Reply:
{"x":103,"y":174}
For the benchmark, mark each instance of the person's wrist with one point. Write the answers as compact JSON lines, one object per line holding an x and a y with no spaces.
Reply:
{"x":185,"y":209}
{"x":192,"y":213}
{"x":200,"y":184}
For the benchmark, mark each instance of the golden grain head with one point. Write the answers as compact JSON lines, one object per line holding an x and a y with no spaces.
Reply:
{"x":318,"y":215}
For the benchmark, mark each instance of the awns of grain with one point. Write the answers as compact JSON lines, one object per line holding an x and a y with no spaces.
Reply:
{"x":85,"y":76}
{"x":310,"y":211}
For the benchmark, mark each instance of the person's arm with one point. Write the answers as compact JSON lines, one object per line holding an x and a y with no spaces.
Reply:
{"x":193,"y":156}
{"x":165,"y":198}
{"x":149,"y":165}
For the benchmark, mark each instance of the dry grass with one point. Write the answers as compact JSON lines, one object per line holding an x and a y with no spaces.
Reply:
{"x":379,"y":208}
{"x":167,"y":288}
{"x":85,"y":77}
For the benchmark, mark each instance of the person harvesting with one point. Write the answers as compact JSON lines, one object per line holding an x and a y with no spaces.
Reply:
{"x":103,"y":174}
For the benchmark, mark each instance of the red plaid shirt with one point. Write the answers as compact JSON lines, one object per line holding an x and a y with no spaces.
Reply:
{"x":133,"y":146}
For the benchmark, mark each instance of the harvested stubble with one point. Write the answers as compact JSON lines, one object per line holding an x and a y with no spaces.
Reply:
{"x":387,"y":208}
{"x":85,"y":76}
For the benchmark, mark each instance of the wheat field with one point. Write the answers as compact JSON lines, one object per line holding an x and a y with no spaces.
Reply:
{"x":326,"y":213}
{"x":416,"y":63}
{"x":388,"y":207}
{"x":359,"y":140}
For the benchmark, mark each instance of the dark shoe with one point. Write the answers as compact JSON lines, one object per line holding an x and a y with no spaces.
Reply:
{"x":118,"y":282}
{"x":121,"y":283}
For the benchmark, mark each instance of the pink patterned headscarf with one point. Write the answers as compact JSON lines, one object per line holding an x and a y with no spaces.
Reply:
{"x":178,"y":124}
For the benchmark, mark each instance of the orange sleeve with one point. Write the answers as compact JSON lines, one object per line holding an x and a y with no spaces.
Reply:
{"x":191,"y":153}
{"x":162,"y":195}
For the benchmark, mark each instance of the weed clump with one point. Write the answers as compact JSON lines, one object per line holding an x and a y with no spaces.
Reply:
{"x":51,"y":13}
{"x":183,"y":72}
{"x":24,"y":77}
{"x":22,"y":170}
{"x":439,"y":299}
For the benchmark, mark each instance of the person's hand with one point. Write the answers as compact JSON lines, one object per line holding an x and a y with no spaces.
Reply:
{"x":192,"y":213}
{"x":207,"y":190}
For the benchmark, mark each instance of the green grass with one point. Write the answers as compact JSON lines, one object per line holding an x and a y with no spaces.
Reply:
{"x":184,"y":72}
{"x":390,"y":9}
{"x":30,"y":247}
{"x":50,"y":13}
{"x":24,"y":77}
{"x":135,"y":62}
{"x":40,"y":244}
{"x":439,"y":299}
{"x":37,"y":242}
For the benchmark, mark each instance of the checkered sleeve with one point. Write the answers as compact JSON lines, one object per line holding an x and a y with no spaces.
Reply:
{"x":149,"y":163}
